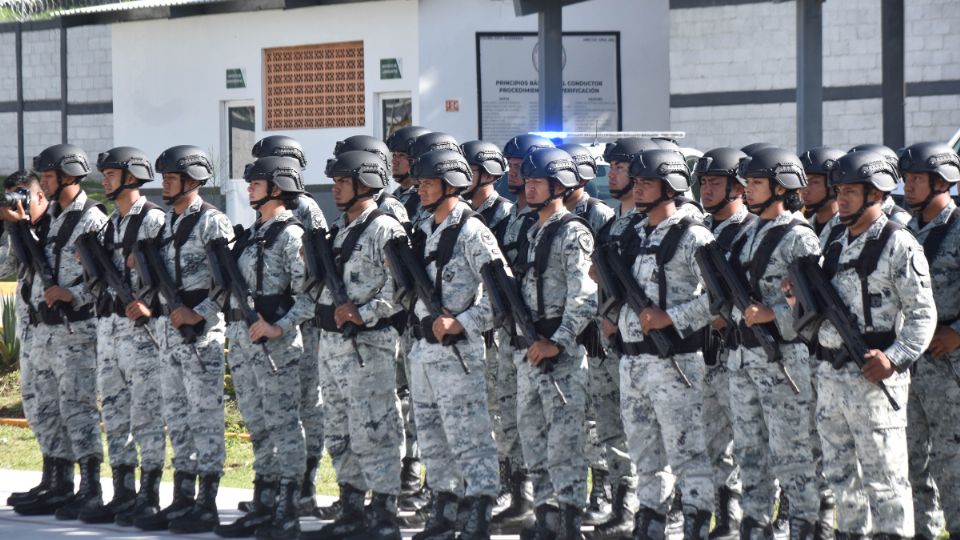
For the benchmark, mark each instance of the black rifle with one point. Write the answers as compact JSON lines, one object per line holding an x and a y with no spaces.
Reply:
{"x":153,"y":273}
{"x":411,"y":275}
{"x":226,"y":278}
{"x":511,"y":313}
{"x":609,"y":257}
{"x":100,"y":272}
{"x":735,"y":292}
{"x":322,"y":271}
{"x":610,"y":288}
{"x":41,"y":267}
{"x":813,"y":287}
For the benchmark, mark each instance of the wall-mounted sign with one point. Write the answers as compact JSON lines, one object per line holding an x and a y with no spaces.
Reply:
{"x":235,"y":78}
{"x":452,"y":105}
{"x":508,"y":67}
{"x":389,"y":68}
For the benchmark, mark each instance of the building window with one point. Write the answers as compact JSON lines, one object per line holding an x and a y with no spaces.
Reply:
{"x":314,"y":86}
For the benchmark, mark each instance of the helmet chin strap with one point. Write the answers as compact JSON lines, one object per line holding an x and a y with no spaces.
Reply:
{"x":810,"y":209}
{"x":855,"y":217}
{"x":170,"y":201}
{"x":116,"y":193}
{"x":257,"y":204}
{"x":469,"y":193}
{"x":619,"y":193}
{"x":760,"y":207}
{"x":727,"y":199}
{"x":432,"y":207}
{"x":922,"y":205}
{"x":645,"y":208}
{"x":357,"y":197}
{"x":552,"y":196}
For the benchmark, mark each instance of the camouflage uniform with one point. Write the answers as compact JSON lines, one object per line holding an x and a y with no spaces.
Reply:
{"x":362,"y":413}
{"x":933,"y":414}
{"x":717,"y":415}
{"x":454,"y":426}
{"x":65,"y":364}
{"x":597,"y":214}
{"x":129,"y":372}
{"x":656,"y":405}
{"x":54,"y":442}
{"x":311,"y":397}
{"x":772,"y":425}
{"x":604,"y":387}
{"x":894,"y":212}
{"x":389,"y":204}
{"x":551,"y":433}
{"x":268,"y":400}
{"x":827,"y":230}
{"x":508,"y":445}
{"x":864,"y":439}
{"x":192,"y":396}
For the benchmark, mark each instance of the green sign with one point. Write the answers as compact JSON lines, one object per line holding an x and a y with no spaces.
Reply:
{"x":389,"y":68}
{"x":235,"y":78}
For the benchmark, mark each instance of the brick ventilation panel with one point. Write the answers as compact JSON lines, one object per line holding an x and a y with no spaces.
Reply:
{"x":314,"y":86}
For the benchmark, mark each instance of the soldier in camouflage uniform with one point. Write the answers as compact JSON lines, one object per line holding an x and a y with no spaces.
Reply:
{"x":933,"y":414}
{"x":363,"y":414}
{"x":487,"y":166}
{"x":819,"y":201}
{"x":604,"y":382}
{"x":597,"y":214}
{"x":387,"y":203}
{"x":192,"y":373}
{"x":55,"y":444}
{"x":563,"y":299}
{"x":515,"y":503}
{"x":657,"y":405}
{"x":268,"y":257}
{"x":128,"y":367}
{"x":64,"y":342}
{"x":772,"y":422}
{"x":308,"y":212}
{"x":882,"y":277}
{"x":454,"y":425}
{"x":399,"y":143}
{"x":721,"y":192}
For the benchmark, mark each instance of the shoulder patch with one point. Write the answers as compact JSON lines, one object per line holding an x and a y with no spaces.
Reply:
{"x":919,"y":263}
{"x":585,"y":239}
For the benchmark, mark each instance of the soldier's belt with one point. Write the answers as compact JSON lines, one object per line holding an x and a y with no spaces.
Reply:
{"x":690,"y":344}
{"x":545,"y":328}
{"x":327,"y":323}
{"x":748,"y":338}
{"x":423,"y":329}
{"x":839,"y":357}
{"x":50,"y":316}
{"x":190,"y":299}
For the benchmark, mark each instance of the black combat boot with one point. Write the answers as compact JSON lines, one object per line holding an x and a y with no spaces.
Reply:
{"x":503,"y":498}
{"x":184,"y":489}
{"x":58,"y":494}
{"x":46,"y":478}
{"x":89,"y":495}
{"x":546,"y":526}
{"x":598,"y":507}
{"x":728,"y":516}
{"x":203,"y":517}
{"x":826,"y":517}
{"x":350,"y":521}
{"x":285,"y":522}
{"x":381,"y":519}
{"x":751,"y":529}
{"x":479,"y":512}
{"x":620,"y":522}
{"x":147,"y":502}
{"x":263,"y":505}
{"x":307,"y":501}
{"x":520,"y":512}
{"x":409,"y":499}
{"x":441,"y":522}
{"x":649,"y":525}
{"x":570,"y":522}
{"x":696,"y":524}
{"x":124,"y":497}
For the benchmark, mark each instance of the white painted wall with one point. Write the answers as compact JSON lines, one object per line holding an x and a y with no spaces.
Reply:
{"x":448,"y":56}
{"x":169,"y":75}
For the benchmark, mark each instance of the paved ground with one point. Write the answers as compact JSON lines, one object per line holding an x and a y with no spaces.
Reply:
{"x":14,"y":527}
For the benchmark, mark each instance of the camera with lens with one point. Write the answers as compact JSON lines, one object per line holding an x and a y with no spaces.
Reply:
{"x":8,"y":199}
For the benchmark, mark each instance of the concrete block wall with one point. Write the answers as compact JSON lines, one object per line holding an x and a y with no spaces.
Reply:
{"x":8,"y":67}
{"x":92,"y":132}
{"x":8,"y":143}
{"x":41,"y":64}
{"x":89,"y":71}
{"x":40,"y":130}
{"x":751,"y":47}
